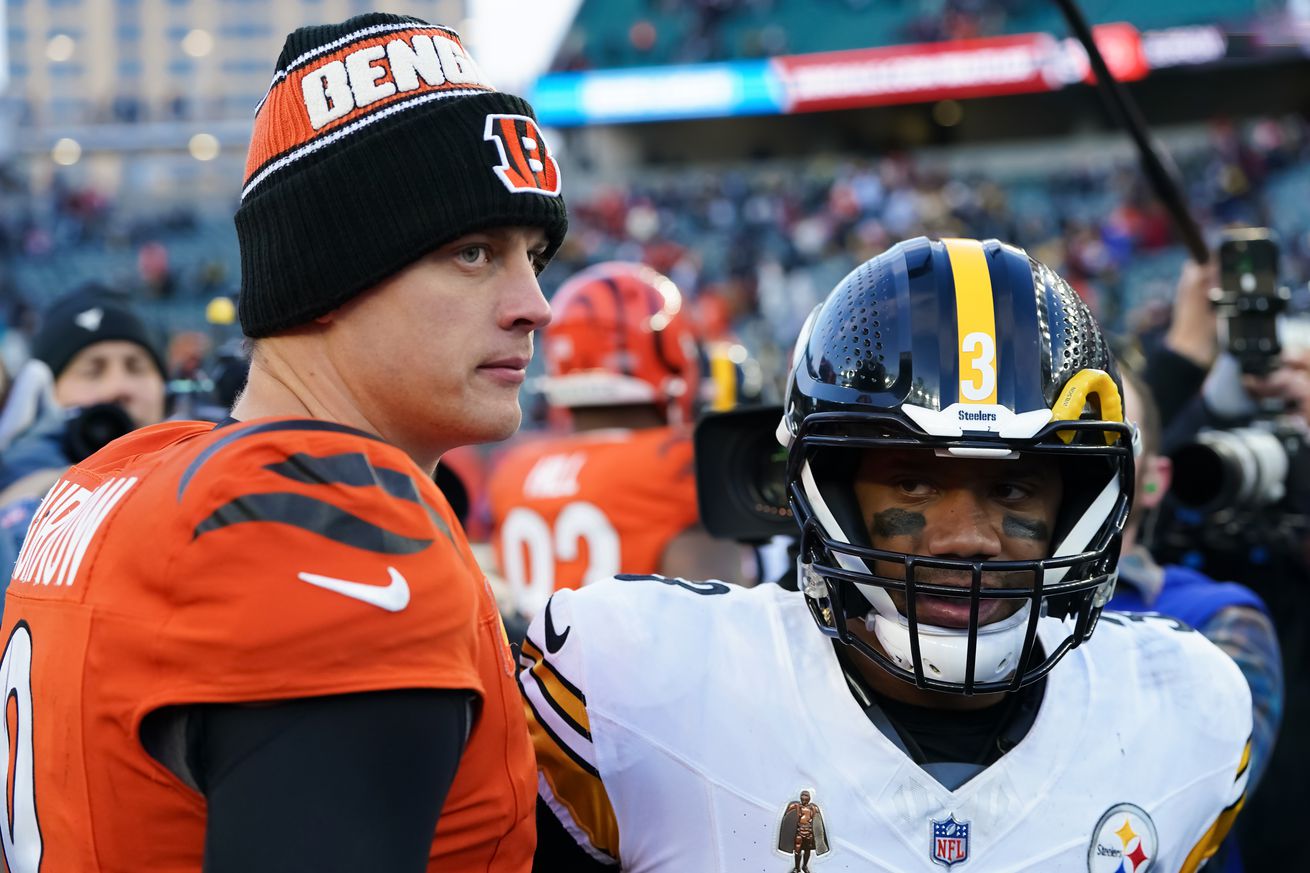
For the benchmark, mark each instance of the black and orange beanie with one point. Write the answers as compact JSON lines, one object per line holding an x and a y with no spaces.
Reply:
{"x":379,"y":140}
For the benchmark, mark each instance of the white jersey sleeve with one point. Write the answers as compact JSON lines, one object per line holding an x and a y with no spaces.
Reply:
{"x":552,"y":677}
{"x":1177,"y":670}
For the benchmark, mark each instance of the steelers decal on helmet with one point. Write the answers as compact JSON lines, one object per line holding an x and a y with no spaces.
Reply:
{"x":975,"y":319}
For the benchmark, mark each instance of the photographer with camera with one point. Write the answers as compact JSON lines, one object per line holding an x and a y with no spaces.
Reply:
{"x":106,"y":377}
{"x":1177,"y":365}
{"x":1228,"y":614}
{"x":1239,"y":507}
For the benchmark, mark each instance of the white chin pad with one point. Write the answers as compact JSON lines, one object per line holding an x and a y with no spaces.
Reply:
{"x":945,"y":650}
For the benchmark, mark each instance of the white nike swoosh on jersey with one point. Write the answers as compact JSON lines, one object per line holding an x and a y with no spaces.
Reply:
{"x":392,"y":598}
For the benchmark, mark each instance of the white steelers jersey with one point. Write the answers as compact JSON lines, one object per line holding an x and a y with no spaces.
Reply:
{"x":676,"y":724}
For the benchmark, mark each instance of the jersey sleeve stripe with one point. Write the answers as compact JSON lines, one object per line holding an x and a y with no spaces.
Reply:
{"x":565,"y":818}
{"x":354,"y":469}
{"x":315,"y":516}
{"x":347,"y":468}
{"x":547,"y":686}
{"x":563,"y":696}
{"x":1209,"y":844}
{"x":542,"y":732}
{"x":267,"y":427}
{"x":576,"y":793}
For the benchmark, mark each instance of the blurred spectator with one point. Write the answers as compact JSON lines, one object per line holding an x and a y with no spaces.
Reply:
{"x":1179,"y":360}
{"x":1229,"y":614}
{"x":625,"y":367}
{"x":153,"y":270}
{"x":795,"y":225}
{"x":1267,"y":828}
{"x":230,"y":372}
{"x":107,"y":379}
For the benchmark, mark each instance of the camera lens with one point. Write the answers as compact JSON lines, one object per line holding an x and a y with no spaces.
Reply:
{"x":91,"y":428}
{"x":1245,"y":467}
{"x":768,"y":479}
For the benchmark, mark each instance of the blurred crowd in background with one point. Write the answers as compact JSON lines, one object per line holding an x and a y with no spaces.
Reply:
{"x":754,"y":245}
{"x":629,"y":33}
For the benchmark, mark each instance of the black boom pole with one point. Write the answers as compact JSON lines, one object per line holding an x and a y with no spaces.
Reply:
{"x":1163,"y":177}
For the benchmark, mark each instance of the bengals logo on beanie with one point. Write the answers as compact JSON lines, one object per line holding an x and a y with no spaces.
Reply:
{"x":526,"y":165}
{"x":379,"y":140}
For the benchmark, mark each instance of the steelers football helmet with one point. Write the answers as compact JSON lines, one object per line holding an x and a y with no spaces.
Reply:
{"x":621,"y":334}
{"x":969,"y":349}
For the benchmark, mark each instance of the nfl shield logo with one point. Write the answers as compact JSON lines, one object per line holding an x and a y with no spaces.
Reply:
{"x":950,"y":842}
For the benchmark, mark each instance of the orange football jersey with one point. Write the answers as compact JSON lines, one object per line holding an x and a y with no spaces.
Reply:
{"x":573,"y":509}
{"x":266,"y":560}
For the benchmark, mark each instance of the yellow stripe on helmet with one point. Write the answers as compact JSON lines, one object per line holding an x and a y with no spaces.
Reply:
{"x":975,"y":320}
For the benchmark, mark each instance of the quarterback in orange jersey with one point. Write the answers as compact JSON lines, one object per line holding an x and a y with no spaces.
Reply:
{"x":618,"y":495}
{"x":265,"y":645}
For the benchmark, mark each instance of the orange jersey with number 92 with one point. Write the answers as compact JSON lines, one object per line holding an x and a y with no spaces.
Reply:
{"x":574,"y":509}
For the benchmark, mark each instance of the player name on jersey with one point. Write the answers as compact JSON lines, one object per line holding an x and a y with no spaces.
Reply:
{"x":555,"y":476}
{"x":63,"y":528}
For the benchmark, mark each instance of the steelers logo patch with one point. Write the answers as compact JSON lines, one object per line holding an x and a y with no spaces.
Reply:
{"x":1124,"y":841}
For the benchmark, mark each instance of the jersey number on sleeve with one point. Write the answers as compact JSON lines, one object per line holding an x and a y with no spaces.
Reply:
{"x":525,"y":532}
{"x":20,"y":833}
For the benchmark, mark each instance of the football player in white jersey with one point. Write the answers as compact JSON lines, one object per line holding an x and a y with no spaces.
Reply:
{"x":960,"y":471}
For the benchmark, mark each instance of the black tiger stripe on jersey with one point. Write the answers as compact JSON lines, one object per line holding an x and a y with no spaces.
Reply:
{"x":355,"y":469}
{"x":267,"y":427}
{"x":315,"y":516}
{"x":348,"y":468}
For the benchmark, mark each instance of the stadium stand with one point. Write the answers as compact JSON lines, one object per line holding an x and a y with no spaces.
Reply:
{"x":604,"y":34}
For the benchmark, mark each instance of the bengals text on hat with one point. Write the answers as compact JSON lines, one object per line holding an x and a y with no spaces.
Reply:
{"x":375,"y":72}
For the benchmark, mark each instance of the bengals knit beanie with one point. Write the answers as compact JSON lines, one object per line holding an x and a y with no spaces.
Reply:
{"x":379,"y":140}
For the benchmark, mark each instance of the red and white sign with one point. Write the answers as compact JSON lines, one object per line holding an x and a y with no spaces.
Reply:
{"x":1016,"y":64}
